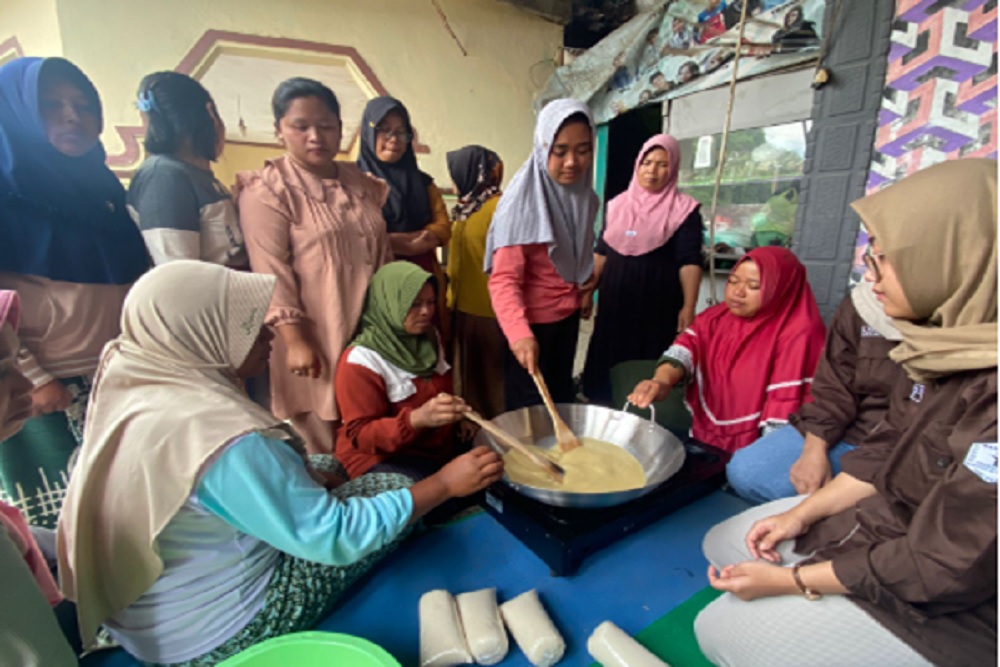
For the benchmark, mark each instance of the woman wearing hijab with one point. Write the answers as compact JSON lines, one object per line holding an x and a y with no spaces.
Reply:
{"x":393,"y":384}
{"x":192,"y":539}
{"x":69,"y":248}
{"x":315,"y":224}
{"x":894,"y":562}
{"x":749,"y":362}
{"x":478,"y":353}
{"x":850,"y":397}
{"x":29,"y":633}
{"x":184,"y":212}
{"x":415,"y":213}
{"x":647,"y":265}
{"x":539,"y":254}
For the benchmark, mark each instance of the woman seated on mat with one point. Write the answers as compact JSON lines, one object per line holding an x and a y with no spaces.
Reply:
{"x":850,"y":396}
{"x":192,"y":538}
{"x":648,"y":266}
{"x":902,"y":545}
{"x":748,"y":363}
{"x":30,"y":634}
{"x":393,"y":385}
{"x":539,"y":253}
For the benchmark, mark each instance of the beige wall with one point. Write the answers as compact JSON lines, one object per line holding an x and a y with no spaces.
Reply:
{"x":454,"y":100}
{"x":242,"y":157}
{"x":33,"y":23}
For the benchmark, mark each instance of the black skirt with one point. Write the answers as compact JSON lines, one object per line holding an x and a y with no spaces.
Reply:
{"x":639,"y":300}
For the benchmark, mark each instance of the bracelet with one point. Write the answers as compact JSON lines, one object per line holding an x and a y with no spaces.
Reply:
{"x":809,"y":593}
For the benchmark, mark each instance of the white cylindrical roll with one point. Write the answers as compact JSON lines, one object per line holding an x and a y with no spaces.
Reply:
{"x":442,"y":640}
{"x":610,"y":646}
{"x":533,"y":629}
{"x":484,"y":631}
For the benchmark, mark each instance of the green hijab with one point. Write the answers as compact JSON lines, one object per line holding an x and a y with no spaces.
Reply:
{"x":391,"y":294}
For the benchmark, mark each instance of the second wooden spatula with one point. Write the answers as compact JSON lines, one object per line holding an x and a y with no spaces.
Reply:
{"x":564,"y":435}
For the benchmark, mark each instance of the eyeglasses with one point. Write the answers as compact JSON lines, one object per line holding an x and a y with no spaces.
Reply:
{"x":872,"y":262}
{"x":402,"y":135}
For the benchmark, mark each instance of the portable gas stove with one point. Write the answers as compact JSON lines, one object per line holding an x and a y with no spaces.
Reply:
{"x":563,"y":537}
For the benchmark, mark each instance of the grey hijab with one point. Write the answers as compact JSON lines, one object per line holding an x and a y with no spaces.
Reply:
{"x":536,"y":209}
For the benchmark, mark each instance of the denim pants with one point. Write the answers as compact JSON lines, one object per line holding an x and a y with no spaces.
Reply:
{"x":759,"y":472}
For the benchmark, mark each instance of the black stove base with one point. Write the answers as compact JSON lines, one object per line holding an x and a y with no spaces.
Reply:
{"x":563,"y":537}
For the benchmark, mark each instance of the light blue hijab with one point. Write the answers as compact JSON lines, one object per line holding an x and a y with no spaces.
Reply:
{"x":536,"y":209}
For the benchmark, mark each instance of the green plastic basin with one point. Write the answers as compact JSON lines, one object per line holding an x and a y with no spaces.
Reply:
{"x":313,"y":649}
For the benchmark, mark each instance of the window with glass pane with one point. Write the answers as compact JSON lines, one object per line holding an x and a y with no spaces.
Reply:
{"x":759,"y":193}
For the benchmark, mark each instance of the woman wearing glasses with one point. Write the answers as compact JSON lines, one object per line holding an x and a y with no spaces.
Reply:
{"x":415,"y":214}
{"x":316,"y":224}
{"x":894,"y":562}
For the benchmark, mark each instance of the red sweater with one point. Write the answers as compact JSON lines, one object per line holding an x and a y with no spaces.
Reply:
{"x":375,"y":399}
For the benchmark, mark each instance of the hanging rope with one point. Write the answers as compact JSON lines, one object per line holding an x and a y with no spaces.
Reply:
{"x":722,"y":155}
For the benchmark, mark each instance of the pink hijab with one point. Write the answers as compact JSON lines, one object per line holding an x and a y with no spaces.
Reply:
{"x":640,"y":221}
{"x":10,"y":308}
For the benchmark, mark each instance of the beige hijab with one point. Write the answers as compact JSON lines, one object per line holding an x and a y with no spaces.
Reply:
{"x":165,"y":399}
{"x":938,"y":228}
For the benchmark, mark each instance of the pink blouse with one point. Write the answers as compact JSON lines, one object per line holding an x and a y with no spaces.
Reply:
{"x":323,"y":239}
{"x":526,"y":289}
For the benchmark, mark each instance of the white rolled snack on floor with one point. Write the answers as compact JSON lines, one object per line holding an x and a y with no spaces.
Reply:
{"x":484,"y":631}
{"x":613,"y":647}
{"x":533,"y":630}
{"x":442,"y":640}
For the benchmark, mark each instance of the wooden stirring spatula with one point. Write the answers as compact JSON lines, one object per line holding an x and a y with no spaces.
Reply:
{"x":564,"y":436}
{"x":553,"y":469}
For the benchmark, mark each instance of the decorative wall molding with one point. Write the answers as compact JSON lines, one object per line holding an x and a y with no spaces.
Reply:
{"x":10,"y":48}
{"x":216,"y":44}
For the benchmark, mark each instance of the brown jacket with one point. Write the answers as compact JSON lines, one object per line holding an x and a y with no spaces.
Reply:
{"x":852,"y":383}
{"x":920,"y":556}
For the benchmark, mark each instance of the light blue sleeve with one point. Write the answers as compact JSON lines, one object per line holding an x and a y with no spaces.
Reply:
{"x":261,"y":487}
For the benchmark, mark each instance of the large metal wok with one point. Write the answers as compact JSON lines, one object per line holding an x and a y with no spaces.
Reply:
{"x":658,"y":450}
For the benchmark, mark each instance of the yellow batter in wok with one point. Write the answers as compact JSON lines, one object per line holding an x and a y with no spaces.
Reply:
{"x":596,"y":467}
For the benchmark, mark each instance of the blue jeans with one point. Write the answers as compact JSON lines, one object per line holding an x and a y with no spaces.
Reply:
{"x":759,"y":472}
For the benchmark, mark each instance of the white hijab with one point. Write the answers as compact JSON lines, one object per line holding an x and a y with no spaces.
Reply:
{"x":536,"y":209}
{"x":165,"y":399}
{"x":872,"y":312}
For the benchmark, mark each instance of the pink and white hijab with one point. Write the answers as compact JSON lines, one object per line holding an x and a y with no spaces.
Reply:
{"x":640,"y":221}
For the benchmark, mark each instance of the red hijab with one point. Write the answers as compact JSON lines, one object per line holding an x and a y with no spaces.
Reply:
{"x":745,"y":372}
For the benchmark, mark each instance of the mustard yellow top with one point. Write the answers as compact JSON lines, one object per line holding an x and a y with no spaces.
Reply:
{"x":440,"y":224}
{"x":467,"y":291}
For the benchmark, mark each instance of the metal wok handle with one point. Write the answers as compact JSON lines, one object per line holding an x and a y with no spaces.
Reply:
{"x":652,"y":410}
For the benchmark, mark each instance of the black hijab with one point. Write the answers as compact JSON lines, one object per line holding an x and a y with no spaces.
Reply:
{"x":471,"y":168}
{"x":408,"y":208}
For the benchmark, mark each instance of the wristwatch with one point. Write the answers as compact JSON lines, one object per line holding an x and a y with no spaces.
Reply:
{"x":809,"y":593}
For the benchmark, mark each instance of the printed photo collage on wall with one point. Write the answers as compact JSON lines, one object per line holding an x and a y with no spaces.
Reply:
{"x":694,"y":46}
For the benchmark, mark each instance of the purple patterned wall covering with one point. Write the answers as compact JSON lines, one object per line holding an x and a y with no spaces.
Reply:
{"x":939,"y":100}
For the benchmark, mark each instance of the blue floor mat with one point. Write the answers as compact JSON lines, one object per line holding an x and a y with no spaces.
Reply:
{"x":633,"y":582}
